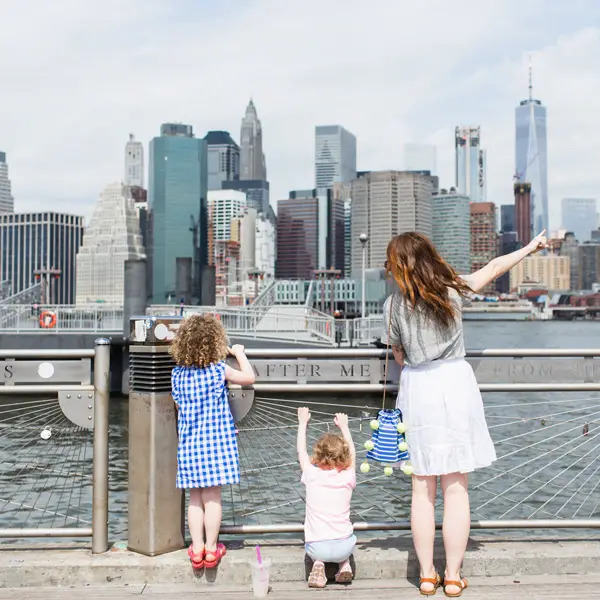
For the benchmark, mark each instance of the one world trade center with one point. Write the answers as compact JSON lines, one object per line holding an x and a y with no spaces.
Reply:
{"x":531,"y":157}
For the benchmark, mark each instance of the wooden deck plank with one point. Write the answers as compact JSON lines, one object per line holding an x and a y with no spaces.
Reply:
{"x":491,"y":588}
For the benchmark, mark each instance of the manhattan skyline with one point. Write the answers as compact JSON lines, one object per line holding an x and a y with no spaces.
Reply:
{"x":71,"y":100}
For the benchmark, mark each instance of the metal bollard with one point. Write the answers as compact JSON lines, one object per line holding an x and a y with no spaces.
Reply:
{"x":100,"y":469}
{"x":155,"y":504}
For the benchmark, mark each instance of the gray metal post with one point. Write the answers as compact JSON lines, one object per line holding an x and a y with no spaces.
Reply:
{"x":135,"y":301}
{"x":364,"y":238}
{"x":136,"y":293}
{"x":183,"y":280}
{"x":100,"y":474}
{"x":154,"y":503}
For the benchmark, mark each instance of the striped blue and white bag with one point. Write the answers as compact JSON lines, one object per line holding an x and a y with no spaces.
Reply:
{"x":388,"y":441}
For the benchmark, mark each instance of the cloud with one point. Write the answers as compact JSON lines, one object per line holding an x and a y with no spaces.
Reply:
{"x":79,"y":76}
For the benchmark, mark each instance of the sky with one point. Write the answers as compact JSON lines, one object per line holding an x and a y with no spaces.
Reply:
{"x":78,"y":77}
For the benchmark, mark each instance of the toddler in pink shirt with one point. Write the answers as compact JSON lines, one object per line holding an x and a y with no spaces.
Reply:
{"x":329,"y":476}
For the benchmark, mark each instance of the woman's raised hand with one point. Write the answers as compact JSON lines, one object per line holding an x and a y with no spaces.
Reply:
{"x":539,"y":242}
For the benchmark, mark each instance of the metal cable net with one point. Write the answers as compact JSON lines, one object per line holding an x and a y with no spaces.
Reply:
{"x":548,"y":463}
{"x":45,"y":466}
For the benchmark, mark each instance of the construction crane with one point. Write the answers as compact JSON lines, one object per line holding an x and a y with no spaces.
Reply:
{"x":517,"y":176}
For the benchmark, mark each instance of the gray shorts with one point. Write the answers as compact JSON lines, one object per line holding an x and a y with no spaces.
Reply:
{"x":334,"y":551}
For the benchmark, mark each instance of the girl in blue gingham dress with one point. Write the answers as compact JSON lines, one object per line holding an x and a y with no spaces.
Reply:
{"x":207,"y":453}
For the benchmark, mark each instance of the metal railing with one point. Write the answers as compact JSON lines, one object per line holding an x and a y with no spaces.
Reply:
{"x":46,"y":442}
{"x":547,"y":475}
{"x":29,"y":295}
{"x":60,"y":318}
{"x":547,"y":472}
{"x":266,"y":296}
{"x":290,"y":324}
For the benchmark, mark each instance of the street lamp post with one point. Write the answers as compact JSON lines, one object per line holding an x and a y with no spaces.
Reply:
{"x":364,"y":238}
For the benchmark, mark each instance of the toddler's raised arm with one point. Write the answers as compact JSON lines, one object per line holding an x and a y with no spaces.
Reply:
{"x":341,"y":420}
{"x":303,"y":419}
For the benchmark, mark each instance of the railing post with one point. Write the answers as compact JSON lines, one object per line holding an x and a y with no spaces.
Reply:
{"x":154,"y":503}
{"x":100,"y":474}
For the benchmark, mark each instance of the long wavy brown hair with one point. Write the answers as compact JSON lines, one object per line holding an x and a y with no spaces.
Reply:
{"x":423,"y":276}
{"x":331,"y":452}
{"x":200,"y":341}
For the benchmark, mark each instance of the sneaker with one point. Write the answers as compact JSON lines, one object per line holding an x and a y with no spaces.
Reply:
{"x":317,"y":578}
{"x":344,"y":575}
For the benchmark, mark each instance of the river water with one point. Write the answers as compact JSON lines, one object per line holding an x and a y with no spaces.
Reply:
{"x":549,"y":465}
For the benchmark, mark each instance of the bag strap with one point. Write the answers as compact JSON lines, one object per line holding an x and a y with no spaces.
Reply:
{"x":387,"y":352}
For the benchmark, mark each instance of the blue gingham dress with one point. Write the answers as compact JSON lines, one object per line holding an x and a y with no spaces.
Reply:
{"x":207,"y":454}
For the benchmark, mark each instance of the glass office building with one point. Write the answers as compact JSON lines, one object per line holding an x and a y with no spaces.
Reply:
{"x":335,"y":155}
{"x":177,"y":199}
{"x":580,"y":216}
{"x":531,"y":157}
{"x":451,"y":229}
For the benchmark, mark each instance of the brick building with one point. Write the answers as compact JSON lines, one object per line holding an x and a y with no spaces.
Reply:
{"x":484,"y":236}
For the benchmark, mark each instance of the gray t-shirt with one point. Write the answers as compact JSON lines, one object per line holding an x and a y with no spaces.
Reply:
{"x":422,"y":339}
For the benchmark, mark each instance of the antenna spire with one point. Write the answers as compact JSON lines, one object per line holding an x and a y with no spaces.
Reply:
{"x":530,"y":80}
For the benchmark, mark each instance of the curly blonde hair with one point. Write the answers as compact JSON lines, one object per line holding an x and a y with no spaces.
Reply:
{"x":200,"y":341}
{"x":331,"y":452}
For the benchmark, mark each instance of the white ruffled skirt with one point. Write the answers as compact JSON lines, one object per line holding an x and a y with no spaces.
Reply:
{"x":443,"y":410}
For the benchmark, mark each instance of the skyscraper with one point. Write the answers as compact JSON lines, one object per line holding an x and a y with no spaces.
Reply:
{"x":252,"y":158}
{"x":451,"y":232}
{"x":507,"y":217}
{"x":112,"y":237}
{"x":385,"y":204}
{"x":256,"y":191}
{"x":335,"y":155}
{"x":223,"y":159}
{"x":7,"y":203}
{"x":265,"y":246}
{"x":523,"y":212}
{"x":223,"y":207}
{"x":531,"y":157}
{"x":134,"y":163}
{"x":580,"y":216}
{"x":570,"y":248}
{"x":484,"y":237}
{"x":588,"y":265}
{"x":470,"y":163}
{"x":177,"y":201}
{"x":40,"y":248}
{"x":310,"y":233}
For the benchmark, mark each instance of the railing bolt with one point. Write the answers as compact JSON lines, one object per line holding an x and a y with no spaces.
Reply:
{"x":79,"y":396}
{"x":68,"y":396}
{"x":90,"y":406}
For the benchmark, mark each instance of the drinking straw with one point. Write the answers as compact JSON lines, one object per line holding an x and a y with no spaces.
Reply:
{"x":258,"y":556}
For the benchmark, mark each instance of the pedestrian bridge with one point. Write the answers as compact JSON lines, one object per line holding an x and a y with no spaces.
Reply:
{"x":295,"y":324}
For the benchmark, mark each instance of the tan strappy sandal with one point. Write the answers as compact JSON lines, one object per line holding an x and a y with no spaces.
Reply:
{"x":435,"y":581}
{"x":463,"y":584}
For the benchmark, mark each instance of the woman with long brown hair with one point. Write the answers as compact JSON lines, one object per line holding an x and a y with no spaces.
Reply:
{"x":439,"y":398}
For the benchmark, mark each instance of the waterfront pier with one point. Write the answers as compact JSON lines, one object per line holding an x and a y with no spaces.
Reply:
{"x":86,"y":502}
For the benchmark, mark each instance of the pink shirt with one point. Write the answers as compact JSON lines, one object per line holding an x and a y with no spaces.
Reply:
{"x":328,"y":495}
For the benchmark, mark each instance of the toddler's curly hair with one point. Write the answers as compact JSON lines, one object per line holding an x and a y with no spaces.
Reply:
{"x":331,"y":452}
{"x":200,"y":341}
